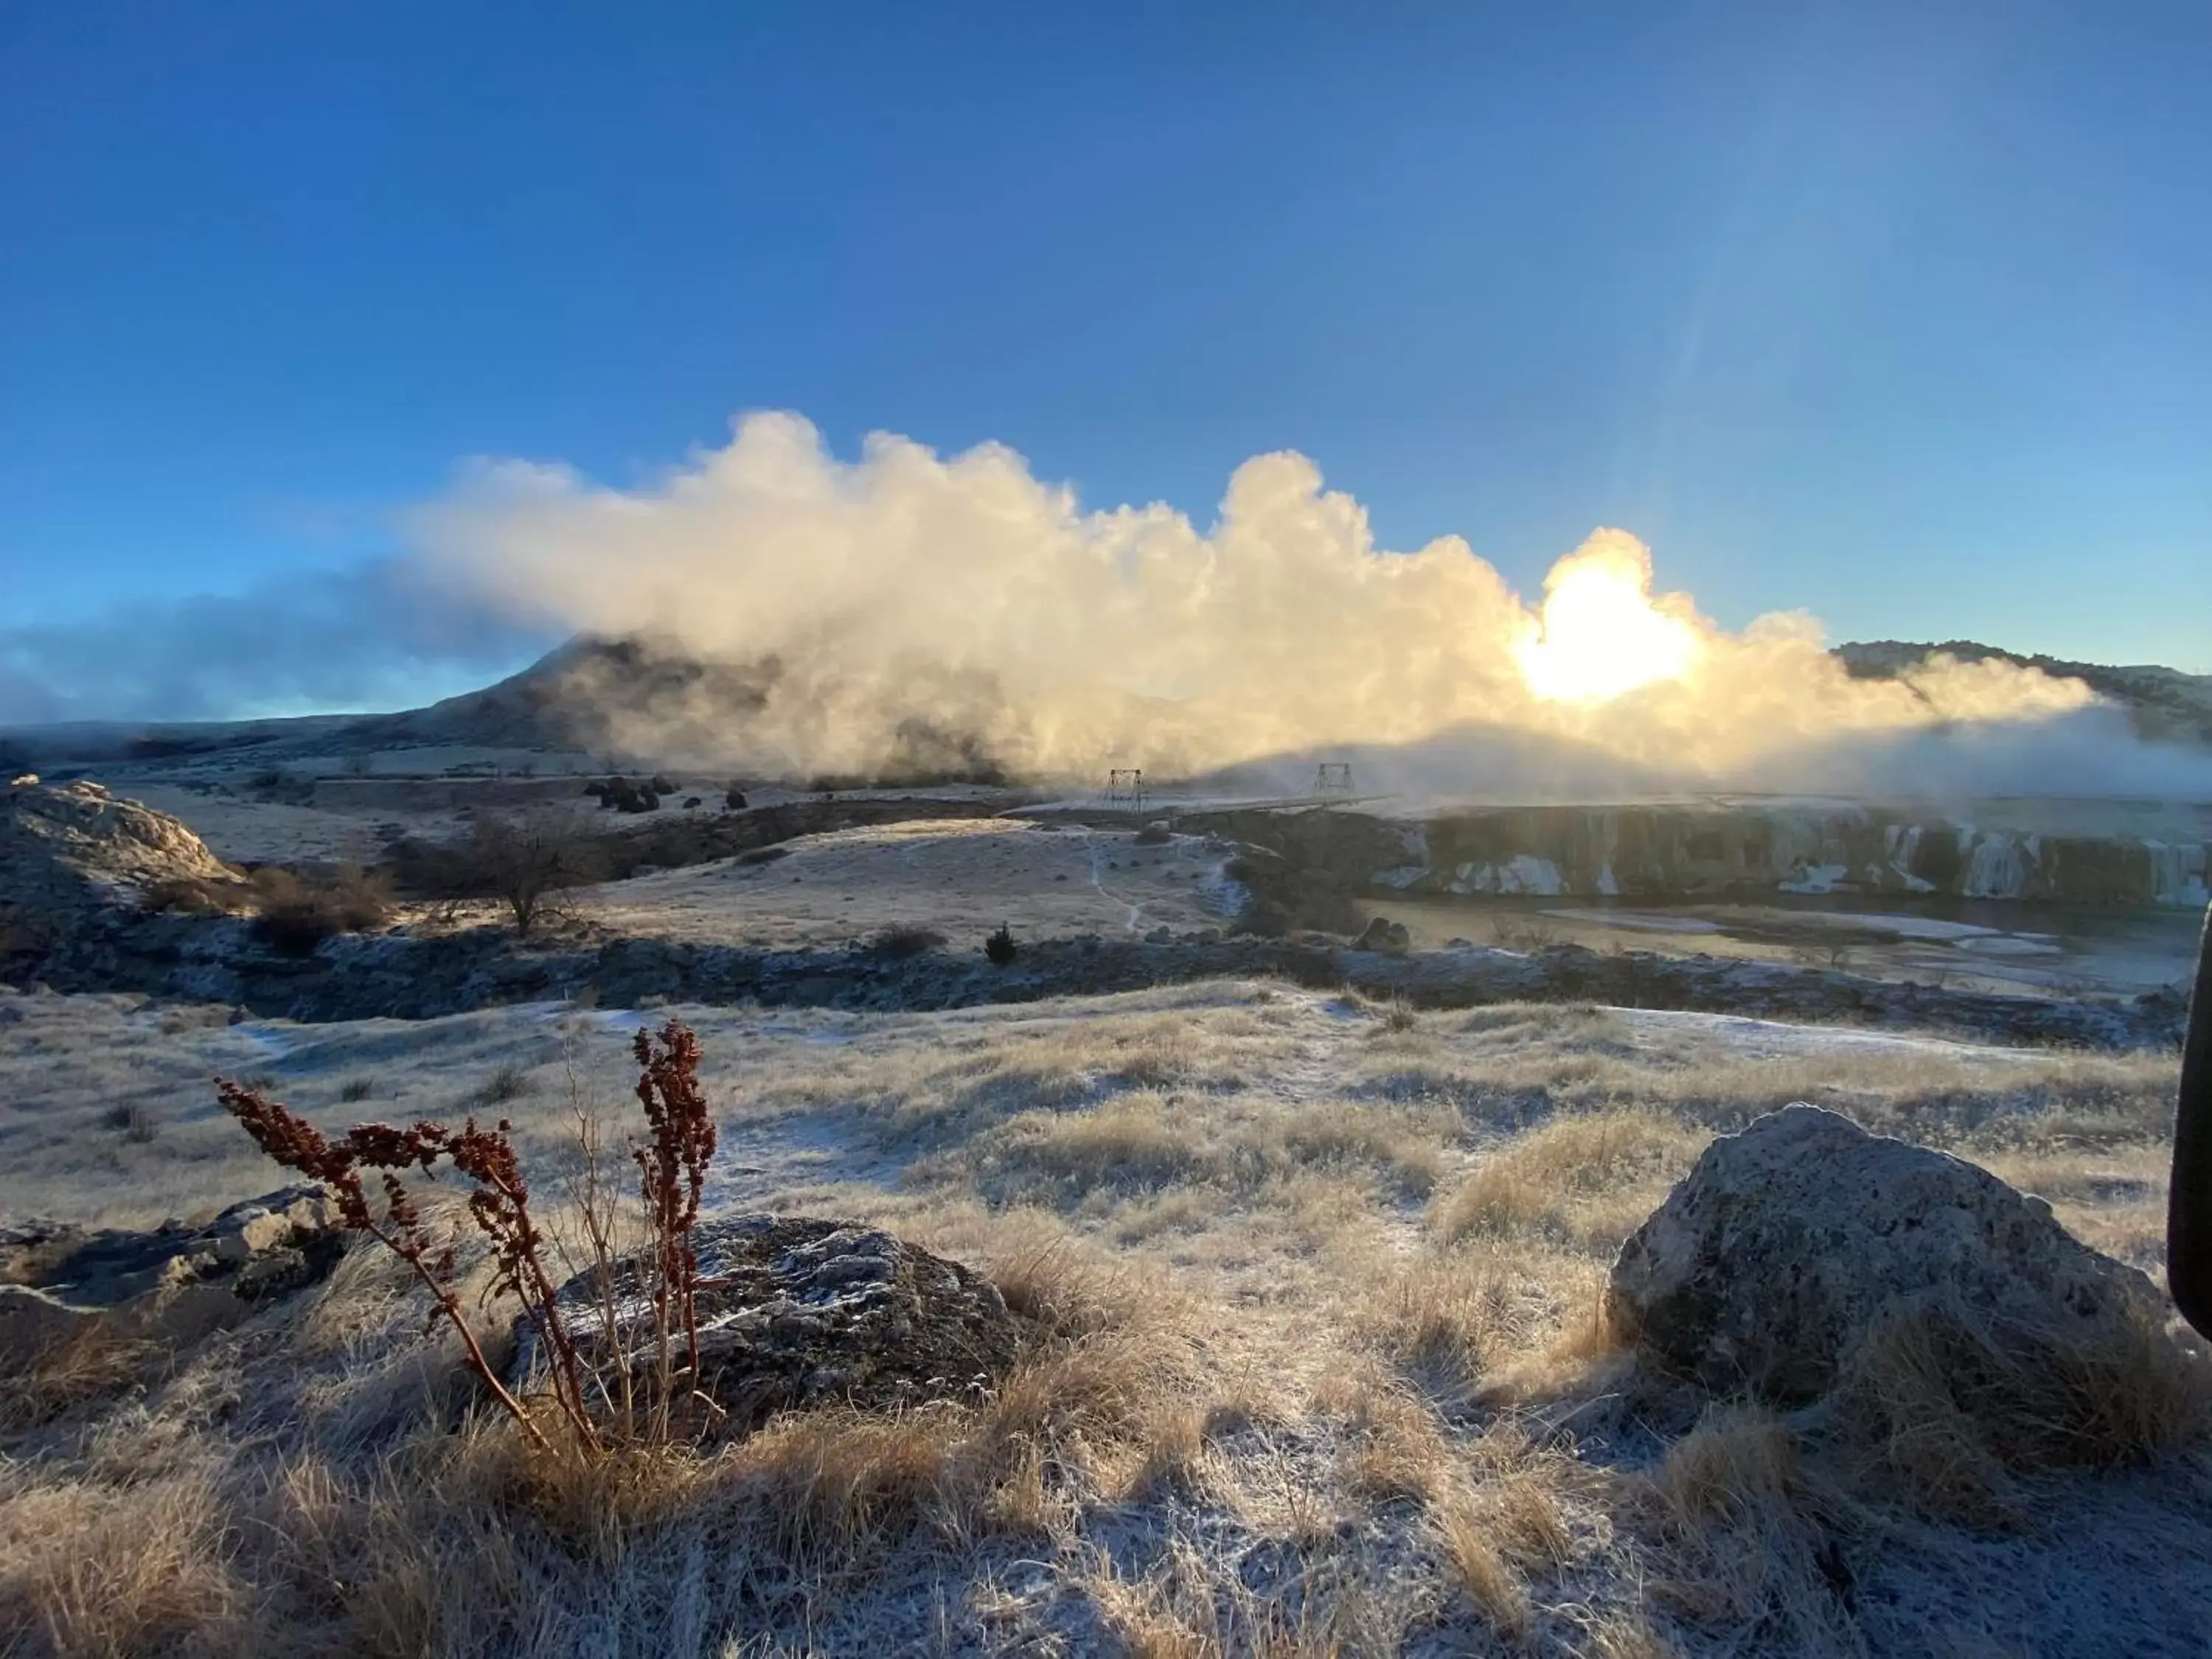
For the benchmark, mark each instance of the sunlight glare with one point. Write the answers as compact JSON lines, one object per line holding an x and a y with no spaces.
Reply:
{"x":1599,"y":634}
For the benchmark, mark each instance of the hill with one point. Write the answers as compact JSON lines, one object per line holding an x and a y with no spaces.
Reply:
{"x":646,"y":701}
{"x":2166,"y":704}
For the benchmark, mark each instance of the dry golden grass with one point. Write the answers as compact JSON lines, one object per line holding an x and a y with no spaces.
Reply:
{"x":125,"y":1570}
{"x":1479,"y":1567}
{"x":1321,"y":1283}
{"x":1234,"y":1146}
{"x":93,"y":1364}
{"x":1582,"y":1182}
{"x":1949,"y":1408}
{"x":1628,"y":1637}
{"x":1457,"y":1319}
{"x":1746,"y":1545}
{"x":1389,"y":1444}
{"x":131,"y":1545}
{"x":1734,"y":1463}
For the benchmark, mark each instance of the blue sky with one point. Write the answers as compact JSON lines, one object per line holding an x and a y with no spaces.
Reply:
{"x":1899,"y":313}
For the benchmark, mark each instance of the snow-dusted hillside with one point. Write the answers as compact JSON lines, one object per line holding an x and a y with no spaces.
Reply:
{"x":2166,"y":704}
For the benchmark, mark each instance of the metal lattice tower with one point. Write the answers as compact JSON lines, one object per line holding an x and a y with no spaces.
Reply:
{"x":1333,"y":778}
{"x":1125,"y":786}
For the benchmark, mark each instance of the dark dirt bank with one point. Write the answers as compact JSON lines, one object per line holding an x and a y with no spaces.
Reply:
{"x":414,"y":977}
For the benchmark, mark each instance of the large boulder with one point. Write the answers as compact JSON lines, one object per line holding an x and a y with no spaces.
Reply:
{"x":795,"y":1311}
{"x":1786,"y":1242}
{"x":174,"y":1280}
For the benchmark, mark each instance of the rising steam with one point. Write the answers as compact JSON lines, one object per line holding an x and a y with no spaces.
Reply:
{"x":906,"y":592}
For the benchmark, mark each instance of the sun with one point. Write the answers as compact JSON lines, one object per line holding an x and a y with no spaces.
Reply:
{"x":1600,"y":633}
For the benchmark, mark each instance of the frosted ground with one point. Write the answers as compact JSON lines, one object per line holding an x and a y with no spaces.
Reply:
{"x":1326,"y":1371}
{"x":1344,"y":1388}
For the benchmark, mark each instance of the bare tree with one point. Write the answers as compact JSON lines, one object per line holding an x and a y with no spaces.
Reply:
{"x":529,"y":863}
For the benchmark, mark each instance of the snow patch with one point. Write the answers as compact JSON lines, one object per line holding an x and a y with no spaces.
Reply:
{"x":1815,"y":878}
{"x":1524,"y":874}
{"x":1772,"y":1037}
{"x":1402,"y":877}
{"x":1642,"y":921}
{"x":2009,"y":945}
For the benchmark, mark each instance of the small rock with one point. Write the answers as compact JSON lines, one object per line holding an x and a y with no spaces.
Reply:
{"x":1385,"y":935}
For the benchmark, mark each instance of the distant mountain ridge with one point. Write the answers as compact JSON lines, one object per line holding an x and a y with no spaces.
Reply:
{"x":2166,"y":704}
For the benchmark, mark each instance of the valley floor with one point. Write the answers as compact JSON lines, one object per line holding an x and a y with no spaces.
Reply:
{"x":1331,"y":1374}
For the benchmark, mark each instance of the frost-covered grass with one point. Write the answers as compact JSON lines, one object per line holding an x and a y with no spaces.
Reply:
{"x":1328,"y":1374}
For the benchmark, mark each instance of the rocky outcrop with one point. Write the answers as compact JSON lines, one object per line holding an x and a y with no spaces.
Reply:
{"x":1787,"y":1242}
{"x":174,"y":1280}
{"x":80,"y":869}
{"x":795,"y":1311}
{"x":68,"y":849}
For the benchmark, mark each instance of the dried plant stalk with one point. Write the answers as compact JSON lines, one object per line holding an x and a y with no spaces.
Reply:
{"x":297,"y":1144}
{"x":672,"y":1163}
{"x":672,"y":1169}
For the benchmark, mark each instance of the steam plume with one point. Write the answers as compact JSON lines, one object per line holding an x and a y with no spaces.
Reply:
{"x":907,"y":590}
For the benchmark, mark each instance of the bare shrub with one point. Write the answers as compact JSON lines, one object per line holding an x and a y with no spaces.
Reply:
{"x":295,"y":912}
{"x":1523,"y":933}
{"x":189,"y":896}
{"x":900,"y":943}
{"x":136,"y":1121}
{"x":357,"y":1088}
{"x":1000,"y":948}
{"x":528,"y":864}
{"x":509,"y":1082}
